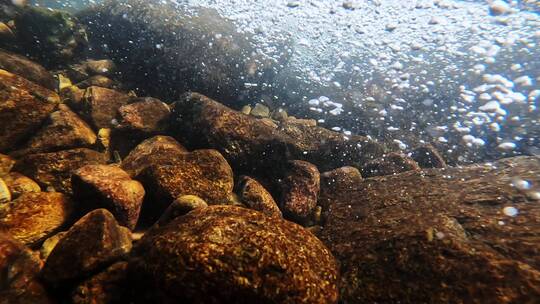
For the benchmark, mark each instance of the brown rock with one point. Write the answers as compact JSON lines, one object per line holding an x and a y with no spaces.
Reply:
{"x":227,"y":254}
{"x":33,"y":217}
{"x":55,"y":169}
{"x":151,"y":151}
{"x":63,"y":130}
{"x":149,"y":116}
{"x":439,"y":235}
{"x":6,"y":163}
{"x":300,"y":192}
{"x":181,"y":206}
{"x":204,"y":173}
{"x":101,"y":186}
{"x":340,"y":179}
{"x":6,"y":34}
{"x":5,"y":194}
{"x":26,"y":68}
{"x":108,"y":286}
{"x":99,"y":81}
{"x":256,"y":197}
{"x":428,"y":157}
{"x":49,"y":244}
{"x":391,"y":163}
{"x":19,"y":184}
{"x":23,"y":107}
{"x":100,"y":105}
{"x":94,"y":242}
{"x":99,"y":67}
{"x":19,"y":269}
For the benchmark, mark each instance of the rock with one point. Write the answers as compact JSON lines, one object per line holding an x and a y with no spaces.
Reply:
{"x":99,"y":81}
{"x":33,"y":217}
{"x":5,"y":194}
{"x":19,"y":282}
{"x":149,"y":116}
{"x":256,"y":197}
{"x":204,"y":173}
{"x":151,"y":151}
{"x":101,"y":186}
{"x":280,"y":115}
{"x":250,"y":145}
{"x":99,"y":67}
{"x":23,"y":107}
{"x":301,"y":122}
{"x":246,"y":109}
{"x":6,"y":163}
{"x":104,"y":138}
{"x":55,"y":169}
{"x":63,"y":82}
{"x":100,"y":105}
{"x":227,"y":254}
{"x":340,"y":179}
{"x":260,"y":111}
{"x":19,"y":184}
{"x":439,"y":235}
{"x":91,"y":244}
{"x":49,"y":244}
{"x":26,"y":68}
{"x":391,"y":163}
{"x":428,"y":157}
{"x":52,"y":36}
{"x":300,"y":192}
{"x":108,"y":286}
{"x":63,"y":130}
{"x":73,"y":97}
{"x":6,"y":34}
{"x":181,"y":206}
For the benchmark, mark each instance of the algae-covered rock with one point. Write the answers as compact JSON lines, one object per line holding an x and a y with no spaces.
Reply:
{"x":151,"y":151}
{"x":260,"y":111}
{"x":300,"y":192}
{"x":181,"y":206}
{"x":61,"y":131}
{"x":19,"y":184}
{"x":51,"y":36}
{"x":256,"y":197}
{"x":91,"y":244}
{"x":54,"y":169}
{"x":391,"y":163}
{"x":19,"y":267}
{"x":204,"y":173}
{"x":26,"y":68}
{"x":228,"y":254}
{"x":439,"y":235}
{"x":147,"y":116}
{"x":101,"y":186}
{"x":33,"y":217}
{"x":100,"y":105}
{"x":23,"y":107}
{"x":108,"y":286}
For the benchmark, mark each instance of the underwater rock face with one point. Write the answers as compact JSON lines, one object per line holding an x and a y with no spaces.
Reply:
{"x":428,"y":157}
{"x":23,"y":107}
{"x":256,"y":197}
{"x":19,"y":283}
{"x":151,"y":151}
{"x":108,"y":286}
{"x":19,"y":184}
{"x":204,"y":173}
{"x":61,"y":131}
{"x":30,"y":70}
{"x":95,"y":241}
{"x":101,"y":186}
{"x":301,"y":186}
{"x":391,"y":163}
{"x":439,"y":235}
{"x":228,"y":254}
{"x":100,"y":105}
{"x":147,"y":116}
{"x":33,"y":217}
{"x":51,"y":36}
{"x":55,"y":169}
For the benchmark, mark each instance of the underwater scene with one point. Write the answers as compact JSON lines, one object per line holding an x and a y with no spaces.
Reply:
{"x":252,"y":151}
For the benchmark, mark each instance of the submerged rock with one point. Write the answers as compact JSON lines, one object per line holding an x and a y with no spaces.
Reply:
{"x":391,"y":163}
{"x":300,"y":192}
{"x":55,"y":169}
{"x":89,"y":69}
{"x":148,"y":116}
{"x":6,"y":163}
{"x":49,"y":244}
{"x":5,"y":193}
{"x":227,"y":254}
{"x":428,"y":157}
{"x":101,"y":186}
{"x":94,"y":242}
{"x":24,"y":105}
{"x":108,"y":286}
{"x":256,"y":197}
{"x":181,"y":206}
{"x":439,"y":235}
{"x":26,"y":68}
{"x":19,"y":184}
{"x":260,"y":111}
{"x":100,"y":105}
{"x":33,"y":217}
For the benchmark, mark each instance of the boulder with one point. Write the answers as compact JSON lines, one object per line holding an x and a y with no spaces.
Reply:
{"x":19,"y":267}
{"x":33,"y":217}
{"x":53,"y":170}
{"x":449,"y":235}
{"x":91,"y":244}
{"x":19,"y":184}
{"x":52,"y":36}
{"x":204,"y":173}
{"x":26,"y":68}
{"x":228,"y":254}
{"x":24,"y":105}
{"x":100,"y":105}
{"x":109,"y":187}
{"x":180,"y":206}
{"x":61,"y":131}
{"x":148,"y":116}
{"x":391,"y":163}
{"x":300,"y":190}
{"x":256,"y":197}
{"x":108,"y":286}
{"x":151,"y":151}
{"x":428,"y":157}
